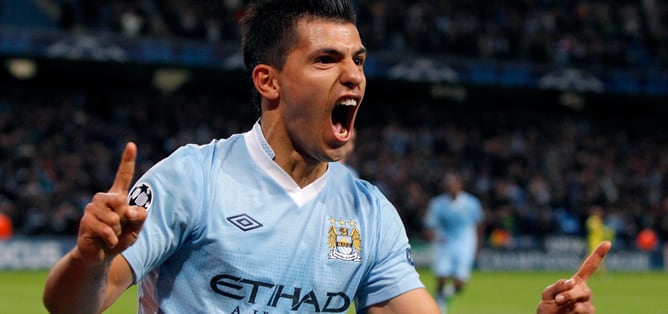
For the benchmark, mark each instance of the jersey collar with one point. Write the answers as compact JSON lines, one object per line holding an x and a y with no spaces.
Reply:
{"x":263,"y":155}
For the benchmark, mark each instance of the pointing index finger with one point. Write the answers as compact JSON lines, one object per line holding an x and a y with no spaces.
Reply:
{"x":126,"y":169}
{"x":593,"y":261}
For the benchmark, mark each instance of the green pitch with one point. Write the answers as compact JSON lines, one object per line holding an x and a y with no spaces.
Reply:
{"x":499,"y":293}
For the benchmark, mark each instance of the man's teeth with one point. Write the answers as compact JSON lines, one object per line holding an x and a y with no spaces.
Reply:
{"x":348,"y":102}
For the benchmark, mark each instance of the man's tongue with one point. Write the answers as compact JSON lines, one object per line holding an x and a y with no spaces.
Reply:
{"x":340,"y":131}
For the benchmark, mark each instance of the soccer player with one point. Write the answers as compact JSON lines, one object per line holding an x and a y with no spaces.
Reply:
{"x":597,"y":230}
{"x":350,"y":149}
{"x":266,"y":221}
{"x":451,"y":222}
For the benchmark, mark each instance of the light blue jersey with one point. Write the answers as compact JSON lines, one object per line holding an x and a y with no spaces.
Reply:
{"x":228,"y":231}
{"x":454,"y":222}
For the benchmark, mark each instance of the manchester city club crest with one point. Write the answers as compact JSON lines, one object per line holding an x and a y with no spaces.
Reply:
{"x":344,"y":240}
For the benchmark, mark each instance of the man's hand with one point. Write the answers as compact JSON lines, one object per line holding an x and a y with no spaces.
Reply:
{"x":109,"y":224}
{"x":574,"y":295}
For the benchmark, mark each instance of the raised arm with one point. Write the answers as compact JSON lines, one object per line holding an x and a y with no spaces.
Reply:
{"x":93,"y":274}
{"x":574,"y":295}
{"x":414,"y":301}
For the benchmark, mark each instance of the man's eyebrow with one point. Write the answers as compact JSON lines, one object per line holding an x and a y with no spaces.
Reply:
{"x":332,"y":51}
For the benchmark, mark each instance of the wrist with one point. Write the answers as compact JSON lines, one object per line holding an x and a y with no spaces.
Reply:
{"x":91,"y":264}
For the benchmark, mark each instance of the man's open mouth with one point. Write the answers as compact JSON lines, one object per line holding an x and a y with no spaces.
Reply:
{"x":342,"y":117}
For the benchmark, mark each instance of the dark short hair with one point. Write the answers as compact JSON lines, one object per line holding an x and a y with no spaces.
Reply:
{"x":269,"y":27}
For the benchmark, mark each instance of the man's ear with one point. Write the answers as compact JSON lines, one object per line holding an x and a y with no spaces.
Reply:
{"x":265,"y":81}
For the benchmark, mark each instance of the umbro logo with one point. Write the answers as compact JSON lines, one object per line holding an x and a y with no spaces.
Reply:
{"x":244,"y":222}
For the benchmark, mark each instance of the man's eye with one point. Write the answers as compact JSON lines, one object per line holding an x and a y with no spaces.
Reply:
{"x":325,"y":59}
{"x":359,"y":61}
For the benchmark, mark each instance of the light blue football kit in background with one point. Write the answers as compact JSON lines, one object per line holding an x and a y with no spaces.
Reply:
{"x":455,"y":224}
{"x":228,"y":231}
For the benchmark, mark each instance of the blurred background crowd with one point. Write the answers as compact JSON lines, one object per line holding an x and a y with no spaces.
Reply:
{"x":538,"y":171}
{"x":594,"y":33}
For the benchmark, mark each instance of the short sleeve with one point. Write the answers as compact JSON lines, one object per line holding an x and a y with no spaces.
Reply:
{"x":393,"y":271}
{"x":174,"y":188}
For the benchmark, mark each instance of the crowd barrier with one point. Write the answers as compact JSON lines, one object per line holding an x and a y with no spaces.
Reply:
{"x":553,"y":254}
{"x":37,"y":253}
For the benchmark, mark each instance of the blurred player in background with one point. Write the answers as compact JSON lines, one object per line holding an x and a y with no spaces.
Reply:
{"x":451,"y":224}
{"x":348,"y":155}
{"x":597,"y":230}
{"x":267,"y":221}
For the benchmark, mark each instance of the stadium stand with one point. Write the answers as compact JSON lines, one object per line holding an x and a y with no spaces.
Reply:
{"x":537,"y":165}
